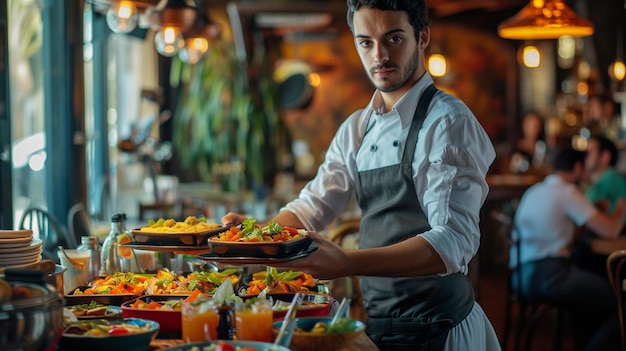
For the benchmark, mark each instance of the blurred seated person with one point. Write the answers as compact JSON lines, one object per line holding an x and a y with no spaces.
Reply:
{"x":606,"y":186}
{"x":545,"y":223}
{"x":530,"y":150}
{"x":600,"y":114}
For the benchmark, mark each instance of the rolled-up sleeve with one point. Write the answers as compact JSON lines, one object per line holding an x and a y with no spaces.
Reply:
{"x":458,"y":156}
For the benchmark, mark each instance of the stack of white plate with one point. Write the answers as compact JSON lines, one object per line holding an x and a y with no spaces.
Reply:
{"x":18,"y":248}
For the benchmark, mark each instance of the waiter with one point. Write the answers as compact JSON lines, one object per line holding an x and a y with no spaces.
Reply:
{"x":416,"y":158}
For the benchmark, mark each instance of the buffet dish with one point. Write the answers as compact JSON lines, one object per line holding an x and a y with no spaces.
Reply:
{"x":94,"y":310}
{"x":317,"y":333}
{"x":190,"y":232}
{"x":275,"y":282}
{"x":163,"y":309}
{"x":123,"y":334}
{"x":313,"y":305}
{"x":125,"y":285}
{"x":270,"y":240}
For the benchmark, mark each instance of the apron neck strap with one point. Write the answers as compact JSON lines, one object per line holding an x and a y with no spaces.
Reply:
{"x":416,"y":123}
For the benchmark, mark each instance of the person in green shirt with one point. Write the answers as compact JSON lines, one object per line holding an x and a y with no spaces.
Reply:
{"x":606,"y":186}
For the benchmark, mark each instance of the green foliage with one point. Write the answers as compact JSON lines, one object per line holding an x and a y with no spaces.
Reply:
{"x":224,"y":119}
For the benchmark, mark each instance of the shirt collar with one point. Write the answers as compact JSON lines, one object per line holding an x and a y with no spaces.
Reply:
{"x":405,"y":107}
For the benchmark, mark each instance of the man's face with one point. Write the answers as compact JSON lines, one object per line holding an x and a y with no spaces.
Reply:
{"x":592,"y":159}
{"x":389,"y":51}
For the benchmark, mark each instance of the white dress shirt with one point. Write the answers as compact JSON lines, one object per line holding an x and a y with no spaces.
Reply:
{"x":546,"y":218}
{"x":451,"y":160}
{"x":452,"y":157}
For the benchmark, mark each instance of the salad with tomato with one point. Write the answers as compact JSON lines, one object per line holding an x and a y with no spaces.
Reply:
{"x":131,"y":326}
{"x":250,"y":231}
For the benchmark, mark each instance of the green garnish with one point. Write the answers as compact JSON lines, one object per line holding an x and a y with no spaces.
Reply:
{"x":250,"y":230}
{"x":274,"y":276}
{"x":343,"y":325}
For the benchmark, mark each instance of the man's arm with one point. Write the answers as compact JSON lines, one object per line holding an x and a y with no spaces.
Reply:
{"x":412,"y":257}
{"x":608,"y":226}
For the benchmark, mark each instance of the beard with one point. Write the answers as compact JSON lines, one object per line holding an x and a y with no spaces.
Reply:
{"x":406,"y":74}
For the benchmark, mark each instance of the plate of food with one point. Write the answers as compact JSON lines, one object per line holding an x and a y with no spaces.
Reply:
{"x":109,"y":334}
{"x":163,"y":309}
{"x":95,"y":310}
{"x":166,"y":283}
{"x":78,"y":296}
{"x":317,"y":333}
{"x":192,"y":231}
{"x":112,"y":289}
{"x":253,"y":240}
{"x":286,"y":281}
{"x":313,"y":304}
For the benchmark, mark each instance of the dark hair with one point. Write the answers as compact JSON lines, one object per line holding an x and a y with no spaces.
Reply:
{"x":566,"y":159}
{"x":416,"y":11}
{"x":606,"y":144}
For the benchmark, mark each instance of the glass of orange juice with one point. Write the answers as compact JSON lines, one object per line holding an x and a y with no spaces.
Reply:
{"x":254,"y":321}
{"x":199,"y":320}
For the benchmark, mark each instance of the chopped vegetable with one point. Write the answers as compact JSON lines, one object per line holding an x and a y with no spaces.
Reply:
{"x":252,"y":232}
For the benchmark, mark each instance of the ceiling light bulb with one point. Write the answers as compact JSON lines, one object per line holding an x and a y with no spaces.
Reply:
{"x":437,"y":65}
{"x":194,"y":50}
{"x":122,"y":17}
{"x":531,"y":56}
{"x":617,"y":70}
{"x":168,"y":41}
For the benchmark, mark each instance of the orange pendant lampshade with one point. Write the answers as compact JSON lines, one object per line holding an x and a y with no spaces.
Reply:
{"x":545,"y":19}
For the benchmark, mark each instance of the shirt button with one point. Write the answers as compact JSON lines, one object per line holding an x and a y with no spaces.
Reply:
{"x":373,"y":148}
{"x":396,"y":143}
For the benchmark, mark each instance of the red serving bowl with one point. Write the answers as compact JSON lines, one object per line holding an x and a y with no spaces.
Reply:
{"x":313,"y":304}
{"x":170,"y":321}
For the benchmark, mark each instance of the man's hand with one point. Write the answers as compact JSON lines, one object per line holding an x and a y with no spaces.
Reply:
{"x":232,"y":219}
{"x":329,"y":261}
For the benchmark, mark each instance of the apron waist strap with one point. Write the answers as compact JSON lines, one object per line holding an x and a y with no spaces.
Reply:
{"x":403,"y":326}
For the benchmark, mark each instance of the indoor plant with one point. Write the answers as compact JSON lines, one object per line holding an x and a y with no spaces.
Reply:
{"x":227,"y":127}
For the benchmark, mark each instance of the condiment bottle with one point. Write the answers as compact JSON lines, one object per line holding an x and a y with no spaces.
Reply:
{"x":90,"y":243}
{"x":225,"y":322}
{"x":133,"y":261}
{"x":112,"y":258}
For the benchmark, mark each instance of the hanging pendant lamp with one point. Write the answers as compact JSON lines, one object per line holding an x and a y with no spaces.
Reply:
{"x":545,"y":19}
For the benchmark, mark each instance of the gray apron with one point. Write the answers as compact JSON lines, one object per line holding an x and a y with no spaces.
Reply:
{"x":405,"y":313}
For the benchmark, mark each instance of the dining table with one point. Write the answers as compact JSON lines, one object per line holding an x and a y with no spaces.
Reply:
{"x":361,"y":343}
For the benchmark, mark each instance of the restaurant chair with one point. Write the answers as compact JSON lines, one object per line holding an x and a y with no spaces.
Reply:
{"x":529,"y":311}
{"x":49,"y":230}
{"x":103,"y":204}
{"x":78,"y":222}
{"x":346,"y":235}
{"x":616,"y":269}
